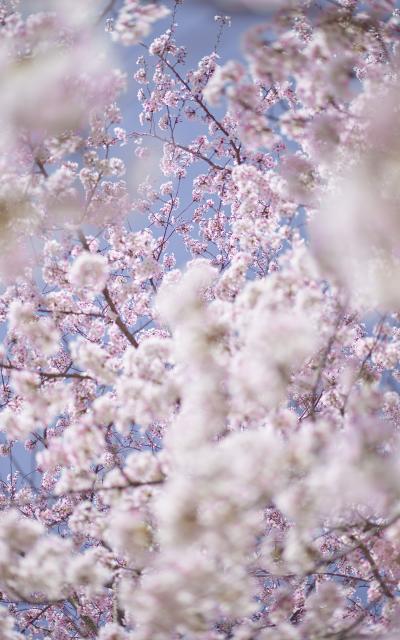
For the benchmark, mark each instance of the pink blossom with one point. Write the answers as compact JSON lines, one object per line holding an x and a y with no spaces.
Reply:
{"x":199,"y":391}
{"x":89,"y":270}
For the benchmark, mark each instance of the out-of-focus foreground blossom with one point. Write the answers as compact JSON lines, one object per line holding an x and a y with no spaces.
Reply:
{"x":56,"y":79}
{"x":357,"y":234}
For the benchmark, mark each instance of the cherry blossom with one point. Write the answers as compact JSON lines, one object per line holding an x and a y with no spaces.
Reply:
{"x":200,"y":414}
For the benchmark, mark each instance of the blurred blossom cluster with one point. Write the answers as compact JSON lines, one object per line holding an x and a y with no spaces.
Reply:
{"x":357,"y":233}
{"x":199,"y":397}
{"x":56,"y":79}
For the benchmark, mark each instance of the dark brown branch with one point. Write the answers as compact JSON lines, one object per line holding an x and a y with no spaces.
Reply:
{"x":118,"y":321}
{"x":41,"y":167}
{"x":375,"y":571}
{"x":117,"y":318}
{"x":204,"y":107}
{"x":48,"y":374}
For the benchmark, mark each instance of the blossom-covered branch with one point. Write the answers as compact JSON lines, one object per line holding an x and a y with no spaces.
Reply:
{"x":199,"y":373}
